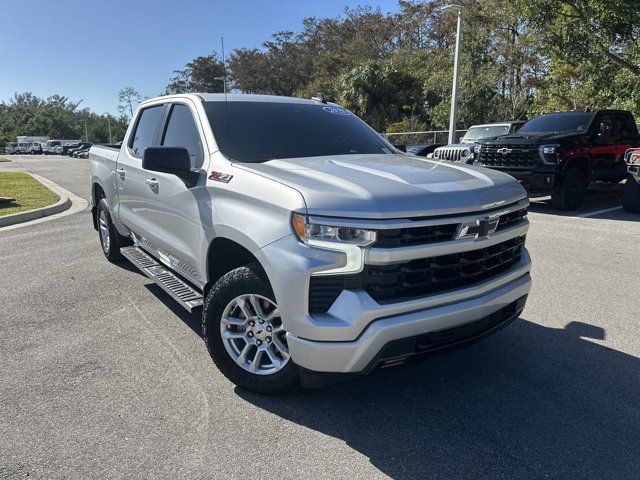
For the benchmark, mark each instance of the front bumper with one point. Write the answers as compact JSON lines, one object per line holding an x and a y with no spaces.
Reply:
{"x":357,"y":356}
{"x":353,"y":332}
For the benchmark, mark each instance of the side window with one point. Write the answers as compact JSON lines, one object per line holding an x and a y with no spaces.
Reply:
{"x":626,"y":125}
{"x":181,"y":131}
{"x":146,"y":129}
{"x":604,"y":118}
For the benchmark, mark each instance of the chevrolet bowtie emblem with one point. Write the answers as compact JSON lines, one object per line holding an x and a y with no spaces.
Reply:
{"x":504,"y":151}
{"x":483,"y":227}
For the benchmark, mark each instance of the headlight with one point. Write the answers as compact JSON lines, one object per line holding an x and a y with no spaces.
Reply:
{"x":548,"y":153}
{"x":465,"y":153}
{"x":548,"y":149}
{"x":347,"y":240}
{"x":311,"y":233}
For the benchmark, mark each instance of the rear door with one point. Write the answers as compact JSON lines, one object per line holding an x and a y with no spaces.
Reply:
{"x":174,"y":208}
{"x":130,"y":177}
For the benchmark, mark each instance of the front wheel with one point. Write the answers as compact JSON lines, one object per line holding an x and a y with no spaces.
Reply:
{"x":243,"y":330}
{"x":631,"y":195}
{"x":568,"y":195}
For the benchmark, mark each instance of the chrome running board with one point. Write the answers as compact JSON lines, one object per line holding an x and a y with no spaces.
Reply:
{"x":179,"y":290}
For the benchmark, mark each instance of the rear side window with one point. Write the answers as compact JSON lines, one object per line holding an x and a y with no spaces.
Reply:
{"x":145,"y":129}
{"x":181,"y":131}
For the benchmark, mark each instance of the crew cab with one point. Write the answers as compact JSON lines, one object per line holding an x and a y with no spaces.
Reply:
{"x":310,"y":247}
{"x":561,"y":153}
{"x":464,"y":151}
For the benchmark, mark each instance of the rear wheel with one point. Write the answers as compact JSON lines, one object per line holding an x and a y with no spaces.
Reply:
{"x":631,"y":195}
{"x":244,"y":333}
{"x":568,"y":195}
{"x":110,"y":240}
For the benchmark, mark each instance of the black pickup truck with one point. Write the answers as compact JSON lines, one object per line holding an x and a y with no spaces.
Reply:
{"x":561,"y":153}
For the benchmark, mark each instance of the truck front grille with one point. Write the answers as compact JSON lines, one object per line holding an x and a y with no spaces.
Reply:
{"x":404,"y":237}
{"x":416,"y":278}
{"x":410,"y":236}
{"x":453,"y":154}
{"x":516,"y":156}
{"x":424,"y":276}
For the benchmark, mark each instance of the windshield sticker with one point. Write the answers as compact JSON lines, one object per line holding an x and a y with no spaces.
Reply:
{"x":336,"y":110}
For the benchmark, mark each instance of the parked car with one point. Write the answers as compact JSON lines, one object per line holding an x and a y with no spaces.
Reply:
{"x":77,"y":147}
{"x":77,"y":153}
{"x":422,"y":149}
{"x":69,"y":146}
{"x":11,"y":148}
{"x":314,"y":246}
{"x":561,"y":153}
{"x":56,"y":147}
{"x":464,"y":151}
{"x":83,"y":153}
{"x":631,"y":189}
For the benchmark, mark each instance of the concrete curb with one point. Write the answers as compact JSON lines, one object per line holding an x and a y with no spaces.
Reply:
{"x":61,"y":205}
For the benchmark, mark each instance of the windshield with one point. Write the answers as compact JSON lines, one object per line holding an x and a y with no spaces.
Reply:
{"x":482,"y":132}
{"x":558,"y":122}
{"x":261,"y":131}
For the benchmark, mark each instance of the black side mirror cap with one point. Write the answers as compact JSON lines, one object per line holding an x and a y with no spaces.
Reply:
{"x":174,"y":160}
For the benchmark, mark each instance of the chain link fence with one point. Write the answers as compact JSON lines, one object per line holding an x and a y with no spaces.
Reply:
{"x":430,"y":136}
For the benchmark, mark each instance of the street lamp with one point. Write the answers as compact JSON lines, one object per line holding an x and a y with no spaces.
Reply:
{"x":456,"y":63}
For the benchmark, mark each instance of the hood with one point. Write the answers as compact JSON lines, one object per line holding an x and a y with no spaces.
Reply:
{"x":528,"y":138}
{"x":390,"y":186}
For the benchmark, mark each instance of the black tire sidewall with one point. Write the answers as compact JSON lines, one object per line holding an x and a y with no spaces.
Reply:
{"x":631,"y":195}
{"x":113,"y":255}
{"x":569,"y":194}
{"x":244,"y":280}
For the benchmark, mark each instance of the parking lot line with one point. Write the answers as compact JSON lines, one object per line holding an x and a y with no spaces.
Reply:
{"x":598,"y":212}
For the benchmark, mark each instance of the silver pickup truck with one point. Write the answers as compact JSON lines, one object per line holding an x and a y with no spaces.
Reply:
{"x":315,"y":248}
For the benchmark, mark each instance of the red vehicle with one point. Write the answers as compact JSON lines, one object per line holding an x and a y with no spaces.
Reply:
{"x":631,"y":189}
{"x":562,"y":153}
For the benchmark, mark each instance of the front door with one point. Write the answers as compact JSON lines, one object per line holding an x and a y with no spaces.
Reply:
{"x":175,"y":210}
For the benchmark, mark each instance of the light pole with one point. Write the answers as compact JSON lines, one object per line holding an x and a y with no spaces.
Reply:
{"x":456,"y":64}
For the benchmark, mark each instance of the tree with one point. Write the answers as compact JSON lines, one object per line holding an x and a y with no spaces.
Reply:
{"x":127,"y":98}
{"x":202,"y":74}
{"x":56,"y":117}
{"x":379,"y":93}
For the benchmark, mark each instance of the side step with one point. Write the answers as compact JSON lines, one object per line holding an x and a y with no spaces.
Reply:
{"x":179,"y":290}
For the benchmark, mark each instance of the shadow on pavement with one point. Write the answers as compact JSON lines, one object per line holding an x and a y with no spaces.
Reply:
{"x":528,"y":402}
{"x":191,"y":320}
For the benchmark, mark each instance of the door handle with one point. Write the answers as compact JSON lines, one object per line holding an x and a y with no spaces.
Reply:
{"x":121,"y":171}
{"x":152,"y":182}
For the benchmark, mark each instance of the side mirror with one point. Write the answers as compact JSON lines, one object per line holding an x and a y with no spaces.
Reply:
{"x":174,"y":160}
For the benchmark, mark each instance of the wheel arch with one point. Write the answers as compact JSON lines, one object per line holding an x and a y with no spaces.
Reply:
{"x":97,"y":194}
{"x":582,"y":162}
{"x":225,"y":254}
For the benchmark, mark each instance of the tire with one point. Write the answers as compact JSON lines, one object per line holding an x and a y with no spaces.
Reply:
{"x":631,"y":195}
{"x":245,"y":283}
{"x":568,"y":195}
{"x":110,"y":240}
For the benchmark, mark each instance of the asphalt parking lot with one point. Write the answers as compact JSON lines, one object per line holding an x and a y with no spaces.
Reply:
{"x":102,"y":375}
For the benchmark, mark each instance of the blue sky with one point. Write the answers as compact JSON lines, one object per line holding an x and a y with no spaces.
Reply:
{"x":90,"y":49}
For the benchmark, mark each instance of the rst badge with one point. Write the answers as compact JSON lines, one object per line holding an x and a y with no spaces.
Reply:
{"x":481,"y":228}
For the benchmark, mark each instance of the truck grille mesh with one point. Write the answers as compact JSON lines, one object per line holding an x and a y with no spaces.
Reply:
{"x":519,"y":156}
{"x":405,"y":237}
{"x":415,"y":278}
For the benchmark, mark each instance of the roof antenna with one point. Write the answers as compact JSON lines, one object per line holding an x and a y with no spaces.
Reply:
{"x":319,"y":97}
